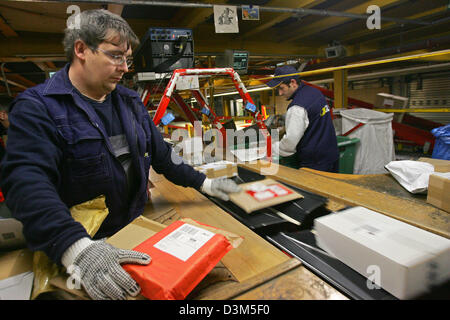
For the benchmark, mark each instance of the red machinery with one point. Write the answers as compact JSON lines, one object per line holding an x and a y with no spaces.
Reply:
{"x":171,"y":95}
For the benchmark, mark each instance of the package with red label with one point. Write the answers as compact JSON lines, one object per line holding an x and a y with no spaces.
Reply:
{"x":263,"y":194}
{"x":182,"y":255}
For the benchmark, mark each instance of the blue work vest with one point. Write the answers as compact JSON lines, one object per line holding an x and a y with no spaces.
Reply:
{"x":317,"y":149}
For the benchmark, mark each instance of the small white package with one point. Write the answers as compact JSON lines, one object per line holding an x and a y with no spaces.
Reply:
{"x":412,"y":175}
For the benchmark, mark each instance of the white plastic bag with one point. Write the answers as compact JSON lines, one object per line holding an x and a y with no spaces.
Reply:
{"x":376,"y":147}
{"x":412,"y":175}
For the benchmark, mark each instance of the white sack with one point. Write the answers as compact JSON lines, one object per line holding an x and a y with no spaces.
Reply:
{"x":412,"y":175}
{"x":376,"y":147}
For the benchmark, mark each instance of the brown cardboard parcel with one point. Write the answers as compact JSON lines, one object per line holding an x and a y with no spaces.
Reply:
{"x":439,"y":164}
{"x":15,"y":262}
{"x":220,"y":169}
{"x":439,"y":190}
{"x":16,"y":274}
{"x":386,"y":100}
{"x":134,"y":234}
{"x":262,"y":194}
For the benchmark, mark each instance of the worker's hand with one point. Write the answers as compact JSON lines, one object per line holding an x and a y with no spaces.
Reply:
{"x":275,"y":121}
{"x":269,"y":121}
{"x":101,"y":274}
{"x":220,"y":188}
{"x":280,"y":120}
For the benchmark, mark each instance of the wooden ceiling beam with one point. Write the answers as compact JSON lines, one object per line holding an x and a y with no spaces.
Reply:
{"x":12,"y":82}
{"x":280,"y":17}
{"x":115,"y":8}
{"x":46,"y":47}
{"x":354,"y":36}
{"x":192,"y":17}
{"x":50,"y":65}
{"x":41,"y":65}
{"x":6,"y":29}
{"x":18,"y":80}
{"x":45,"y":65}
{"x":326,"y":23}
{"x":32,"y":59}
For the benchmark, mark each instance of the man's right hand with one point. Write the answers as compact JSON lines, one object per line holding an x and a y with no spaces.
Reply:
{"x":101,"y":275}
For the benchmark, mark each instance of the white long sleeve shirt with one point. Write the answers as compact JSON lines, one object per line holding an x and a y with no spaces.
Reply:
{"x":296,"y":123}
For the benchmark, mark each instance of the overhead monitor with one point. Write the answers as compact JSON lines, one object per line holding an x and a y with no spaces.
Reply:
{"x":236,"y":59}
{"x":240,"y":61}
{"x":335,"y":52}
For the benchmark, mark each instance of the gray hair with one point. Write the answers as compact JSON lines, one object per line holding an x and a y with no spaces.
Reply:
{"x":94,"y":27}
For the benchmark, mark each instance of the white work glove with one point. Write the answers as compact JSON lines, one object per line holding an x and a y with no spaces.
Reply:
{"x":220,"y":188}
{"x":275,"y":121}
{"x":268,"y":122}
{"x":97,"y":265}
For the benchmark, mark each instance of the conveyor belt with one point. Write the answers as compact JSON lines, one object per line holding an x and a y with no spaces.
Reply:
{"x":302,"y":245}
{"x":298,"y":240}
{"x":267,"y":221}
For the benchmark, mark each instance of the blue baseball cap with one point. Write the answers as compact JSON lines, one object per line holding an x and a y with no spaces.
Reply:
{"x":281,"y":71}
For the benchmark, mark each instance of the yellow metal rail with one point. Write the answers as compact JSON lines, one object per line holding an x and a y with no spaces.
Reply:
{"x":365,"y":64}
{"x":414,"y":110}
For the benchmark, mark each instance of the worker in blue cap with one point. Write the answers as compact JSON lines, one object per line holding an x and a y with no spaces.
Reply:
{"x":310,"y":139}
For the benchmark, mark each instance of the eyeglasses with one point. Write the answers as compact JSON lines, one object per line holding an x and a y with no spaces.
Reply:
{"x":118,"y":59}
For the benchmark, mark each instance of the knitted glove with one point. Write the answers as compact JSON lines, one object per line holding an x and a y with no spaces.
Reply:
{"x":220,"y":188}
{"x":100,"y":272}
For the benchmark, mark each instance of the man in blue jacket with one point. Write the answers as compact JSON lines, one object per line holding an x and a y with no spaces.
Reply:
{"x":310,"y":137}
{"x":80,"y":135}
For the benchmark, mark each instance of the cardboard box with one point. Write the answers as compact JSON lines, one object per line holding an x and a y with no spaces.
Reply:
{"x":17,"y":287}
{"x":15,"y":262}
{"x":390,"y":101}
{"x":16,"y":276}
{"x":11,"y":236}
{"x":219,"y":169}
{"x":404,"y":260}
{"x":262,"y":194}
{"x":439,"y":190}
{"x":439,"y":164}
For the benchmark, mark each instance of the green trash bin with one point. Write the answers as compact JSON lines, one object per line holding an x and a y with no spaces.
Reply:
{"x":347,"y":152}
{"x":291,"y":161}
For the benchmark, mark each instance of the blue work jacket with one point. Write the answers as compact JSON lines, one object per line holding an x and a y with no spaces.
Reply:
{"x":59,"y":155}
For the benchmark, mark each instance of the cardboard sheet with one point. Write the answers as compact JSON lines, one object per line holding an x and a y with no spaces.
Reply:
{"x":439,"y":190}
{"x":262,"y":194}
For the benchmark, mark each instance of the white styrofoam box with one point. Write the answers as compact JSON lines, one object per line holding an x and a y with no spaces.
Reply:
{"x":404,"y":260}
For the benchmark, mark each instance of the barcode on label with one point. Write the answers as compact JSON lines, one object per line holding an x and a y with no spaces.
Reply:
{"x":189,"y":230}
{"x":184,"y":241}
{"x":8,"y":236}
{"x":176,"y":234}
